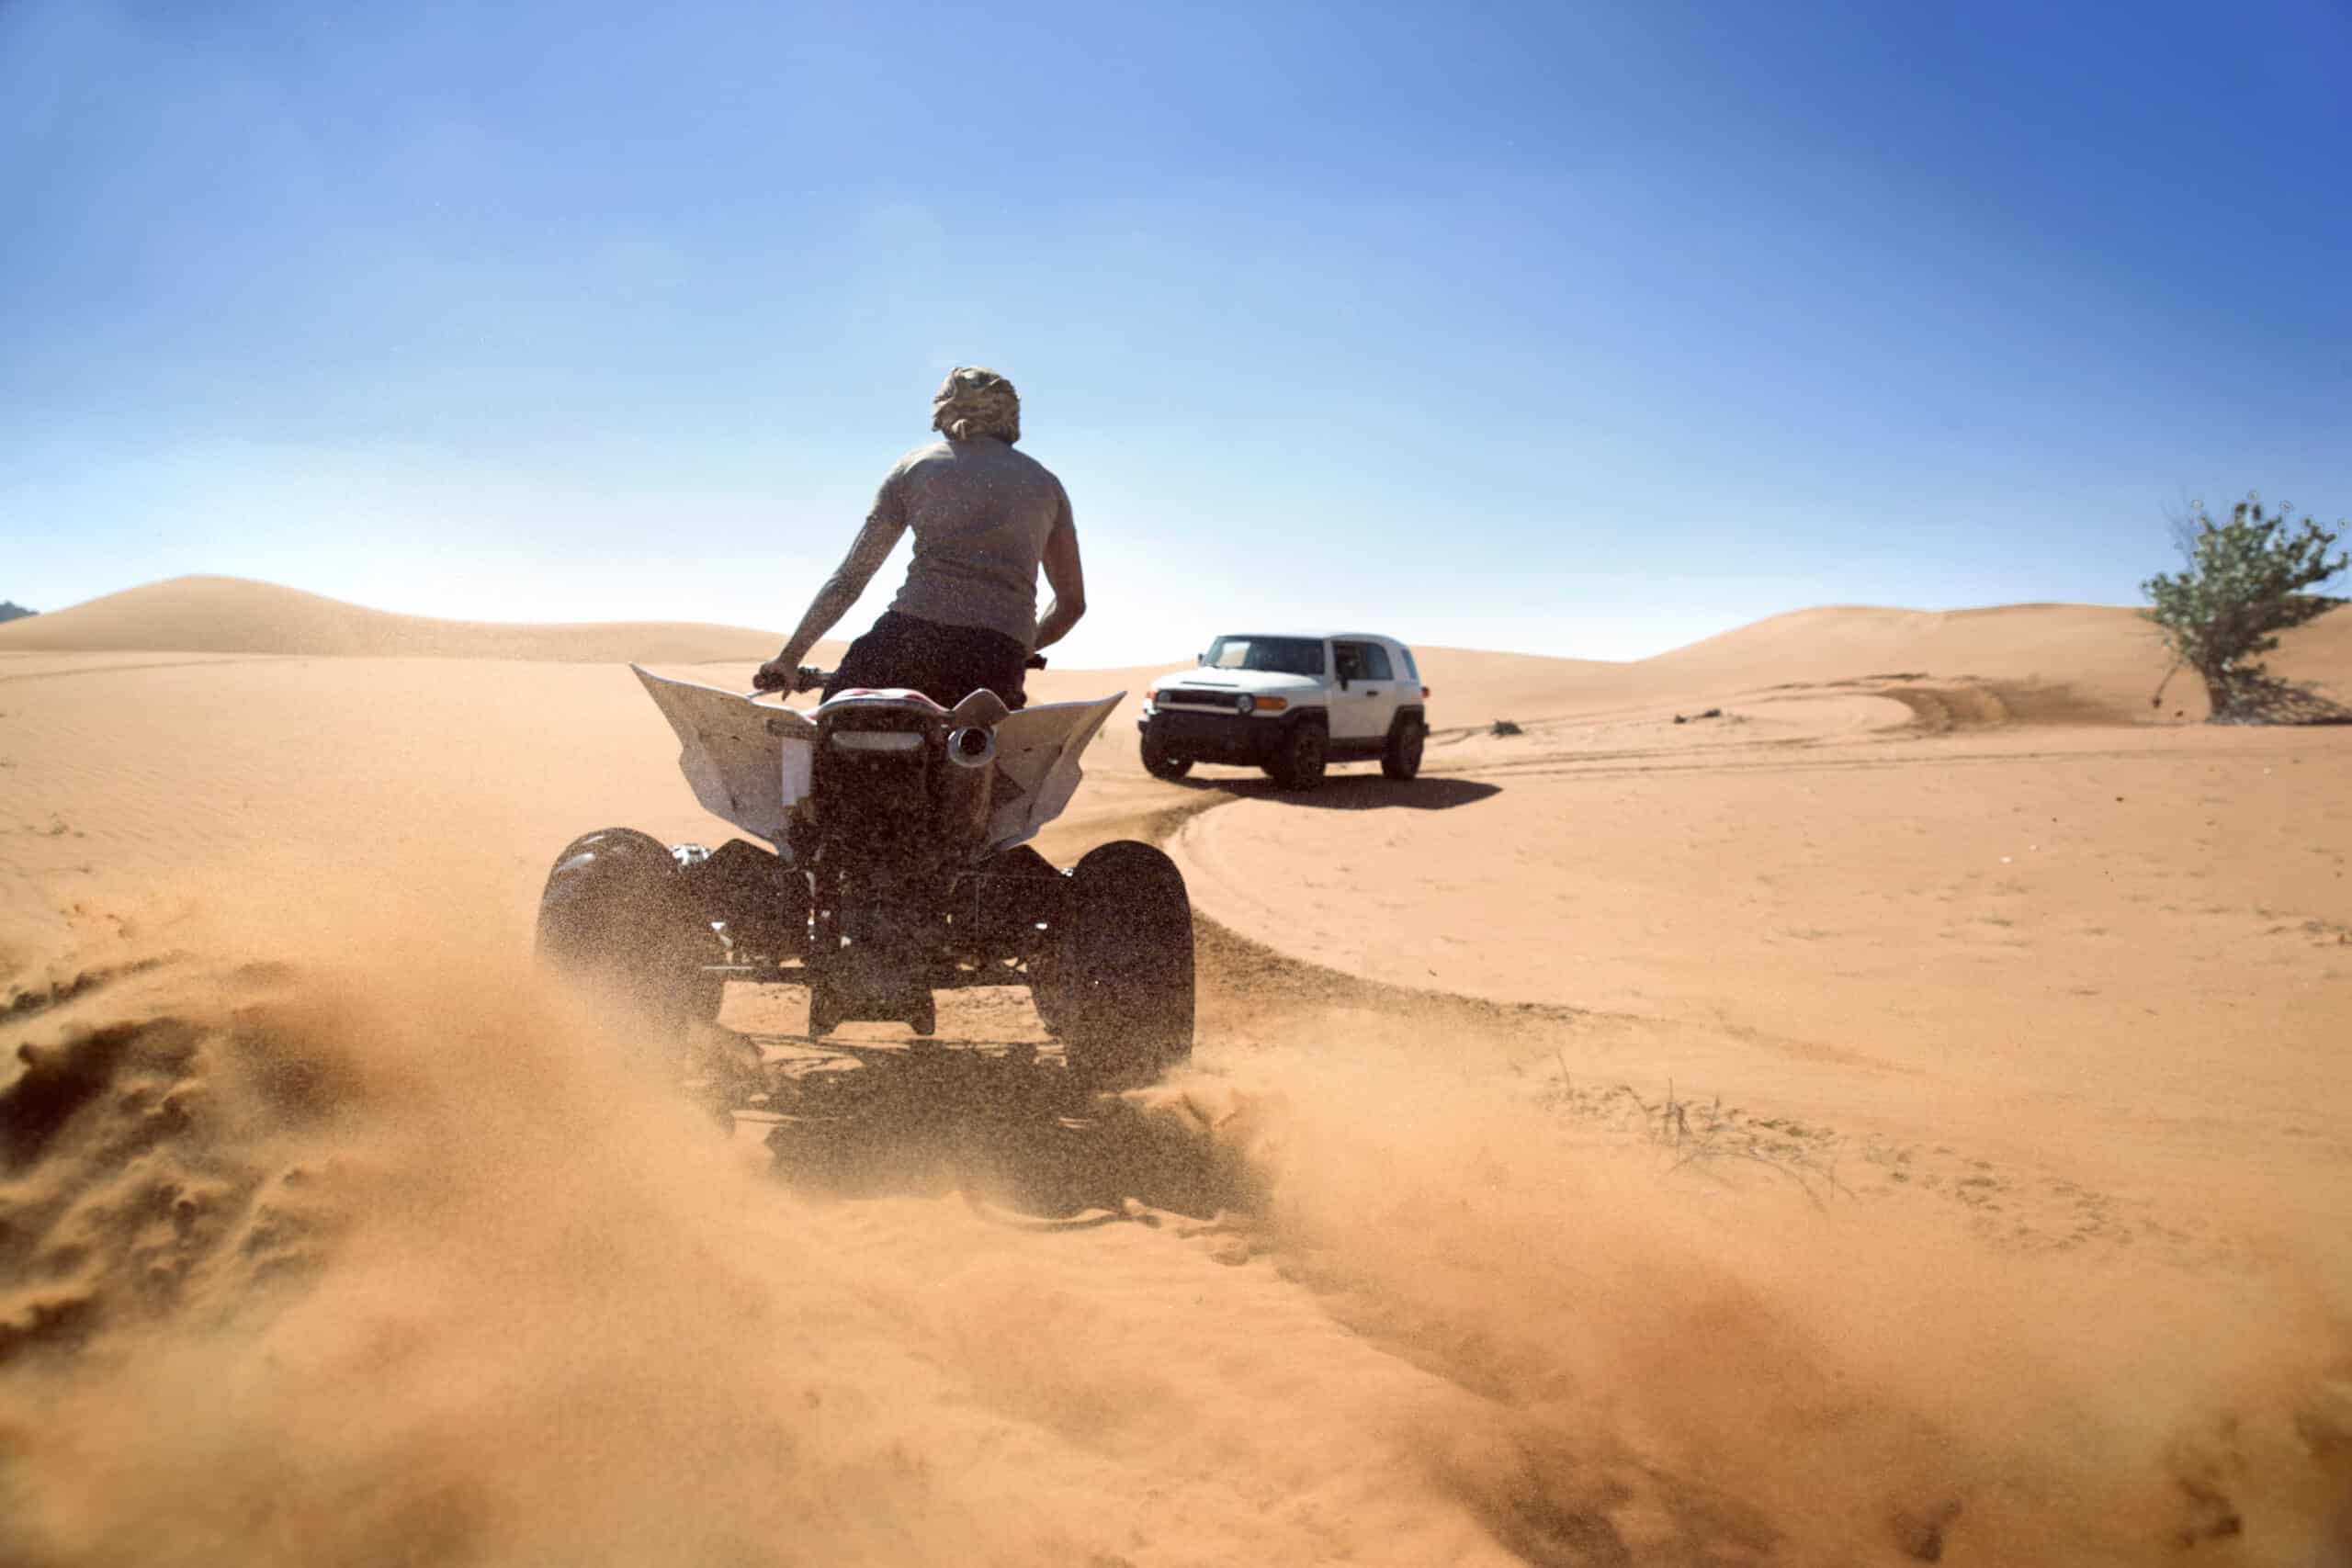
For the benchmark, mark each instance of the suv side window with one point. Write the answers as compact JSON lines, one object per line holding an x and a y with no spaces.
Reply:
{"x":1347,"y":661}
{"x":1412,"y":672}
{"x":1375,"y":662}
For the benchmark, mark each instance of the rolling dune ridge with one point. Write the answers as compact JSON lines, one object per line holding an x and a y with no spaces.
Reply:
{"x":232,"y":616}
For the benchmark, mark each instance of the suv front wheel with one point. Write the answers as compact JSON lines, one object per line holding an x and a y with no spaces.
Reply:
{"x":1298,"y":762}
{"x":1158,"y":763}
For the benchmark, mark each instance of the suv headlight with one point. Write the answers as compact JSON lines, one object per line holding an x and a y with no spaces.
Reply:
{"x":1244,"y":702}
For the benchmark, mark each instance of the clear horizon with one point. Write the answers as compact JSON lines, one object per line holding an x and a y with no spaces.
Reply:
{"x":1585,"y":331}
{"x":853,"y":626}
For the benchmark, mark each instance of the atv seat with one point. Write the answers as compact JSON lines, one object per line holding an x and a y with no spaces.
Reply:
{"x":983,"y":708}
{"x":879,"y":693}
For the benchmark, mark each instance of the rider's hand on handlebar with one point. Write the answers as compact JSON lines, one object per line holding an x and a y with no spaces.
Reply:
{"x":776,"y":676}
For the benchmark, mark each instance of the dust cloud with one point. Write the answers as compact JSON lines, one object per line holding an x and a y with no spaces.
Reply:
{"x":342,"y":1237}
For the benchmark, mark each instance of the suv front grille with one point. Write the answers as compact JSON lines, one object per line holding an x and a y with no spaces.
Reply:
{"x":1192,"y":696}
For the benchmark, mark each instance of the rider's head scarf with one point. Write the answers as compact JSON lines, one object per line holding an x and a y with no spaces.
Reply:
{"x":973,"y":400}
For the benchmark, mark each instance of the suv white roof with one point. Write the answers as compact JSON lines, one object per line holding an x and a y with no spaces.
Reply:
{"x":1366,"y":637}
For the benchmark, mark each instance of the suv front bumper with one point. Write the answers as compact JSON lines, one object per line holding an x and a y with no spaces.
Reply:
{"x":1214,"y":736}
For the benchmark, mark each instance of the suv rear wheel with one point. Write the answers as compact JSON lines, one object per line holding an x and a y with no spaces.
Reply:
{"x":1298,"y":763}
{"x":1401,"y":758}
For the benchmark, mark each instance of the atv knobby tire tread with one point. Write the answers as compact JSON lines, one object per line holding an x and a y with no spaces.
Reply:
{"x":1120,"y":987}
{"x":614,"y":913}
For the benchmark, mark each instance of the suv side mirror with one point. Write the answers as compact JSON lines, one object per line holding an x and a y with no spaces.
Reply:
{"x":1200,"y":658}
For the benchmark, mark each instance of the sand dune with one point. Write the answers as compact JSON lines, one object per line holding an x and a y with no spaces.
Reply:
{"x":2069,"y":663}
{"x":228,"y":614}
{"x":2064,"y":662}
{"x":1841,"y":1130}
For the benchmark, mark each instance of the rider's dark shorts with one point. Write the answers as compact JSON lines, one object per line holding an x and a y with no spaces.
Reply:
{"x":944,"y":663}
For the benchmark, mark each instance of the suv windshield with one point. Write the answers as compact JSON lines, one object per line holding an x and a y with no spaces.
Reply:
{"x":1276,"y":655}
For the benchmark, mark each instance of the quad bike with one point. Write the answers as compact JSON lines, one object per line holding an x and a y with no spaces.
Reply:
{"x":891,"y":863}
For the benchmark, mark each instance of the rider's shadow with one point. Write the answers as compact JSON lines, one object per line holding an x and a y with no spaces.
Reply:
{"x":1004,"y":1125}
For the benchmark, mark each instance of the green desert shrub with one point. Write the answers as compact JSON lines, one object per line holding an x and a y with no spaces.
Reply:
{"x":2245,"y":581}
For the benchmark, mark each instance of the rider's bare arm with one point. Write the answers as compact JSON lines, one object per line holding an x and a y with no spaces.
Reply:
{"x":874,"y":542}
{"x":1067,"y":580}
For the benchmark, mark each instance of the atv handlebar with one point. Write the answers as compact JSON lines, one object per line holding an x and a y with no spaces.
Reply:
{"x":808,"y":678}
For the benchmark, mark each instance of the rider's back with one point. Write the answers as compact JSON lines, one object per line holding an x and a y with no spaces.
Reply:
{"x":980,"y":511}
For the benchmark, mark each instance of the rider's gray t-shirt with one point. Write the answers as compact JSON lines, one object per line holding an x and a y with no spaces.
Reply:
{"x":981,"y":512}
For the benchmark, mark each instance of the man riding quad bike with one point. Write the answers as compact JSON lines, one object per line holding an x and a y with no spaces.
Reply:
{"x":894,"y":819}
{"x":986,"y":519}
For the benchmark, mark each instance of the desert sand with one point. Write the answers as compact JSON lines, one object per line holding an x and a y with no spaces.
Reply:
{"x":1900,"y":1117}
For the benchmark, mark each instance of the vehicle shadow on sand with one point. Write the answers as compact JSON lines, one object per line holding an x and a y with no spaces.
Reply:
{"x":1003,"y":1124}
{"x":1356,"y":792}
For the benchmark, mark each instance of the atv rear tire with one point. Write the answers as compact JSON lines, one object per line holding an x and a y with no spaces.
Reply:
{"x":614,"y":914}
{"x":1298,"y":762}
{"x":1119,"y":992}
{"x":1159,"y":763}
{"x":1401,"y":757}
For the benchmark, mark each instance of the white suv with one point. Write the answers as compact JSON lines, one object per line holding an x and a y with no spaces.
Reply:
{"x":1289,"y":703}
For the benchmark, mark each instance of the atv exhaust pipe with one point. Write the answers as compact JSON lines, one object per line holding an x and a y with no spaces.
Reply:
{"x":972,"y":746}
{"x":967,"y":781}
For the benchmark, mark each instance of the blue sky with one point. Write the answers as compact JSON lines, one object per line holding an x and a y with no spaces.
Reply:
{"x":1586,"y":329}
